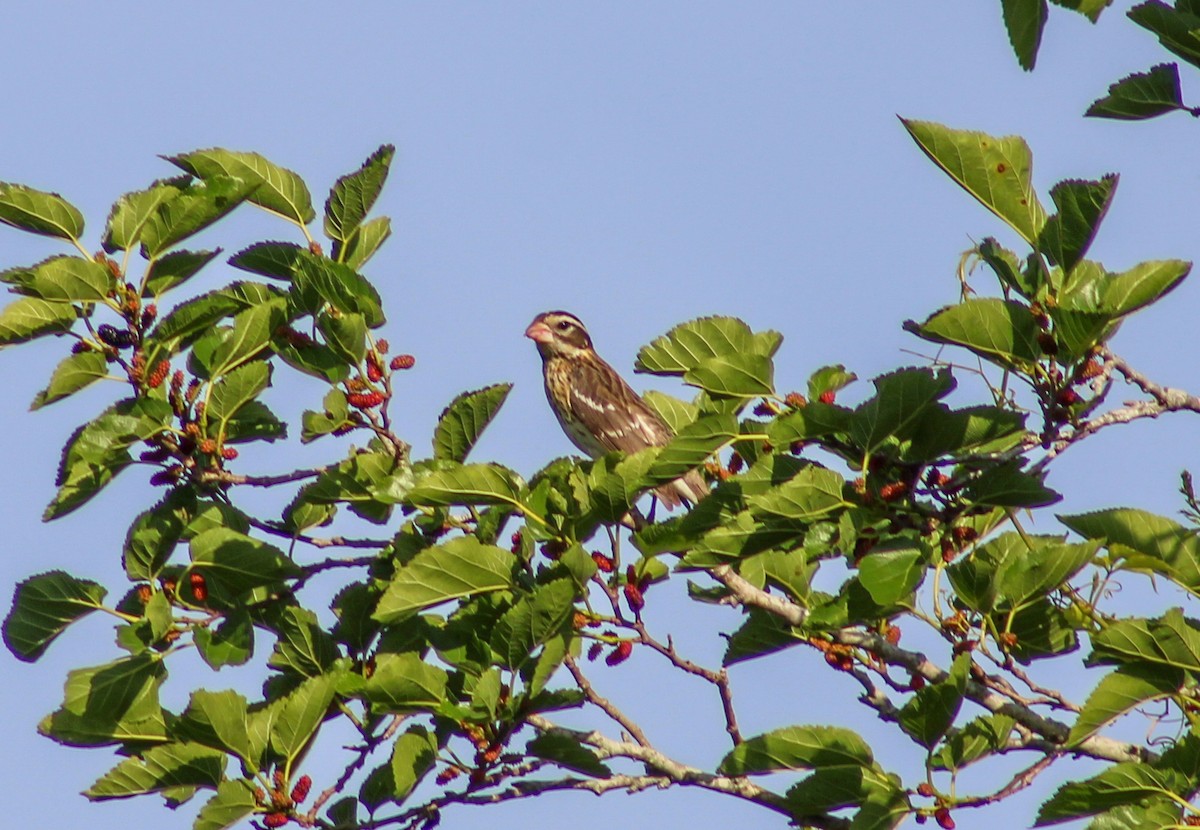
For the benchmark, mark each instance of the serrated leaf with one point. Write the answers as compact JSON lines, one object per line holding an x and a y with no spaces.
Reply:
{"x":469,"y":484}
{"x":405,"y":683}
{"x":353,"y":195}
{"x":1174,"y":27}
{"x":1141,"y":95}
{"x":762,"y":633}
{"x":675,"y":413}
{"x":217,"y":720}
{"x":891,"y":576}
{"x":1121,"y":691}
{"x":1169,"y":641}
{"x":457,"y":569}
{"x":346,"y":336}
{"x":299,"y":715}
{"x":269,"y":259}
{"x":413,"y":755}
{"x":798,"y":747}
{"x":115,"y":703}
{"x":194,"y":207}
{"x":689,"y":344}
{"x":734,"y":375}
{"x":931,"y":711}
{"x":317,"y":281}
{"x":69,"y":279}
{"x":901,"y":401}
{"x":812,"y":493}
{"x":233,"y":391}
{"x":234,"y":563}
{"x":275,"y":188}
{"x":1081,"y":205}
{"x":229,"y":642}
{"x":1024,"y":20}
{"x":1121,"y":784}
{"x":532,"y":621}
{"x":233,"y":802}
{"x":364,"y":242}
{"x":31,"y":317}
{"x":1144,"y":541}
{"x":160,"y":768}
{"x":171,"y":270}
{"x":304,"y":646}
{"x":1006,"y":485}
{"x":464,"y":420}
{"x":43,"y":606}
{"x":130,"y":214}
{"x":73,"y":373}
{"x":996,"y":171}
{"x":1004,"y":332}
{"x":39,"y":212}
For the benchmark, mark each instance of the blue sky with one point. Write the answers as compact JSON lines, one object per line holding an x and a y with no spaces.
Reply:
{"x":636,"y":163}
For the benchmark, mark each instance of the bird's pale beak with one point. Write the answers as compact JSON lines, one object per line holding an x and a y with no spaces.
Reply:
{"x":539,"y":332}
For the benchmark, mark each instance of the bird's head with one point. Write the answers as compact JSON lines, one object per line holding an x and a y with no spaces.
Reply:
{"x":559,"y":333}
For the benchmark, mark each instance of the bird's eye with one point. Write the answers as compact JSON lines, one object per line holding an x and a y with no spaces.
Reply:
{"x":563,"y":325}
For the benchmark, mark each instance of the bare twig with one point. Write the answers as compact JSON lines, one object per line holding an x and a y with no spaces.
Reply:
{"x":604,"y":704}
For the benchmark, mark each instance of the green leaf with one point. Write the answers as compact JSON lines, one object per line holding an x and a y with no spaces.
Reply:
{"x":269,"y":259}
{"x":99,"y":450}
{"x":464,"y":420}
{"x":39,"y":212}
{"x":171,"y":270}
{"x":979,"y":738}
{"x":69,"y":279}
{"x":1121,"y":691}
{"x":346,"y":336}
{"x":469,"y":484}
{"x":1024,"y":20}
{"x":232,"y":392}
{"x":1142,"y":285}
{"x":1175,"y":27}
{"x":73,"y":373}
{"x":334,"y":416}
{"x":675,"y":413}
{"x":1012,"y":569}
{"x":1127,"y":783}
{"x":568,"y":753}
{"x":131,"y":213}
{"x":1081,"y":205}
{"x":691,"y":446}
{"x":151,"y":539}
{"x":459,"y":568}
{"x":370,"y":482}
{"x":1141,"y":95}
{"x":1003,"y":332}
{"x":931,"y":711}
{"x":353,"y":195}
{"x":1171,"y":641}
{"x":364,"y":242}
{"x":115,"y":703}
{"x":996,"y":171}
{"x":405,"y":683}
{"x":734,"y":375}
{"x":532,"y":621}
{"x":761,"y":634}
{"x":1144,"y":541}
{"x":829,"y":379}
{"x":190,"y":319}
{"x":1006,"y":485}
{"x":299,"y":715}
{"x":798,"y":747}
{"x":814,"y":492}
{"x":234,"y":564}
{"x":413,"y":756}
{"x":890,"y":576}
{"x":218,"y":720}
{"x":160,"y":768}
{"x":227,"y":643}
{"x":304,"y":646}
{"x":194,"y":207}
{"x":901,"y":401}
{"x":275,"y":188}
{"x":318,"y":281}
{"x":43,"y":607}
{"x":688,"y":345}
{"x":233,"y":802}
{"x":30,"y":317}
{"x":1091,"y":9}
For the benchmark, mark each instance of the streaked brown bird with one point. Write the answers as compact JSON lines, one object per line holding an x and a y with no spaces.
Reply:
{"x":597,"y":409}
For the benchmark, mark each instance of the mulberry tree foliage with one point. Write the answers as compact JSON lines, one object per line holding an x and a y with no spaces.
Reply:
{"x":478,"y":605}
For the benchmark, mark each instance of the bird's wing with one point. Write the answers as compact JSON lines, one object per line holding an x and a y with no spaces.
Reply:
{"x":611,"y":411}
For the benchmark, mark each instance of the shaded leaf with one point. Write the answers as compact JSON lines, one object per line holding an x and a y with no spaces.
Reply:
{"x":464,"y":420}
{"x":72,"y":374}
{"x":43,"y":606}
{"x":275,"y":188}
{"x":160,"y":768}
{"x":459,"y":568}
{"x":353,"y":195}
{"x":797,"y":747}
{"x":39,"y":212}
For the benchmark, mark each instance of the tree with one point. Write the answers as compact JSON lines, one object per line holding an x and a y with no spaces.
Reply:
{"x":466,"y":620}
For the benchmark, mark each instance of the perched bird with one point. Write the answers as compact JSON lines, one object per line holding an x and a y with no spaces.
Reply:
{"x":597,"y":409}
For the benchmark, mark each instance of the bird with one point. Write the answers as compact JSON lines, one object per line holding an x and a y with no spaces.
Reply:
{"x":596,"y":408}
